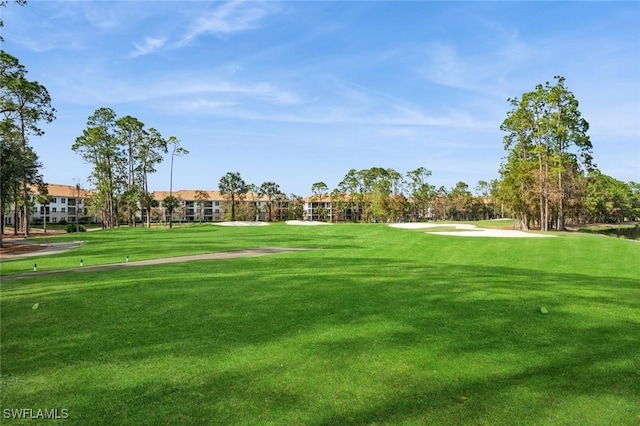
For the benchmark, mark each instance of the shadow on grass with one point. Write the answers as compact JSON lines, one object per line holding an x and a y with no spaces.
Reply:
{"x":361,"y":340}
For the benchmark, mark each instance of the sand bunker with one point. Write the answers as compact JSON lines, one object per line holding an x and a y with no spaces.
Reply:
{"x":306,"y":223}
{"x":470,"y":230}
{"x":240,"y":223}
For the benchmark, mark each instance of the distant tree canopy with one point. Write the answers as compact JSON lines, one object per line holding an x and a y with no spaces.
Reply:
{"x":385,"y":195}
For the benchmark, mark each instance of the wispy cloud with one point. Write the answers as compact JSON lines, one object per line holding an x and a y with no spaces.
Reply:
{"x":149,"y":45}
{"x":231,"y":17}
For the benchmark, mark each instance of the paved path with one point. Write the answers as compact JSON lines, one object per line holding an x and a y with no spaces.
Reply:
{"x":207,"y":256}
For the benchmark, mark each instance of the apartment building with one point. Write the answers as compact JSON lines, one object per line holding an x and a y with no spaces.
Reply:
{"x":65,"y":203}
{"x":211,"y":206}
{"x":69,"y":204}
{"x":316,"y":208}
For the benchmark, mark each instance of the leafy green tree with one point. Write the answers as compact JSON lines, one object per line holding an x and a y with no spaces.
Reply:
{"x":232,"y":186}
{"x":460,"y":201}
{"x":572,"y":147}
{"x":609,"y":199}
{"x":250,"y":210}
{"x":18,"y":164}
{"x":130,"y":134}
{"x":295,"y":207}
{"x":11,"y":164}
{"x":486,"y":208}
{"x":339,"y":203}
{"x":148,"y":202}
{"x":99,"y":146}
{"x":269,"y":190}
{"x":319,"y":190}
{"x":24,"y":105}
{"x":349,"y":187}
{"x":441,"y":203}
{"x":547,"y":140}
{"x":149,"y":154}
{"x":635,"y":200}
{"x":421,"y":192}
{"x":170,"y":203}
{"x":123,"y":154}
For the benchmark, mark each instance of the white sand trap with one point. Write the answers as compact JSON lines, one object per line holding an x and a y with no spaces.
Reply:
{"x":470,"y":230}
{"x":241,"y":223}
{"x":306,"y":223}
{"x":423,"y":225}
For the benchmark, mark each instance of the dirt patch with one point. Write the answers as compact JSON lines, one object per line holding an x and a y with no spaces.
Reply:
{"x":26,"y":248}
{"x":13,"y":249}
{"x":16,"y":245}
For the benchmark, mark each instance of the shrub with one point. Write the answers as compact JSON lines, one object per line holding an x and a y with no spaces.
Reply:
{"x":72,"y":228}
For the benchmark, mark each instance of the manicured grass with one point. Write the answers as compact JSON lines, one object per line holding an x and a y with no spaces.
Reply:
{"x":377,"y":326}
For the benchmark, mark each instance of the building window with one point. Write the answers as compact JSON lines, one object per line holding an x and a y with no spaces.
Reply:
{"x":54,"y":209}
{"x":54,"y":200}
{"x":217,"y":203}
{"x":62,"y":210}
{"x":54,"y":219}
{"x":63,"y":200}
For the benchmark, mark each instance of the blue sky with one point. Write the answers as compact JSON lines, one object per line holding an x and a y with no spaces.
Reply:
{"x":301,"y":92}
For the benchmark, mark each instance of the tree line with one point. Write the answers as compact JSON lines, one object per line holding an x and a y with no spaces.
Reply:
{"x":381,"y":194}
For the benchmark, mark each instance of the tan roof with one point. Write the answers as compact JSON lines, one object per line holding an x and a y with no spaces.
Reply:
{"x":315,"y":199}
{"x":192,"y":195}
{"x":69,"y":191}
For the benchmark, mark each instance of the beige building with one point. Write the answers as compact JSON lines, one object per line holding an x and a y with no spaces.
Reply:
{"x":65,"y":203}
{"x":69,"y":204}
{"x":211,"y":206}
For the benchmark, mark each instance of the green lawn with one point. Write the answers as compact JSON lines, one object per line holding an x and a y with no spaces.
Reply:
{"x":377,"y":326}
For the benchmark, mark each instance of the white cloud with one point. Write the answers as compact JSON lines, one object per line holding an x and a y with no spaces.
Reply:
{"x":206,"y":105}
{"x":149,"y":45}
{"x":231,"y":17}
